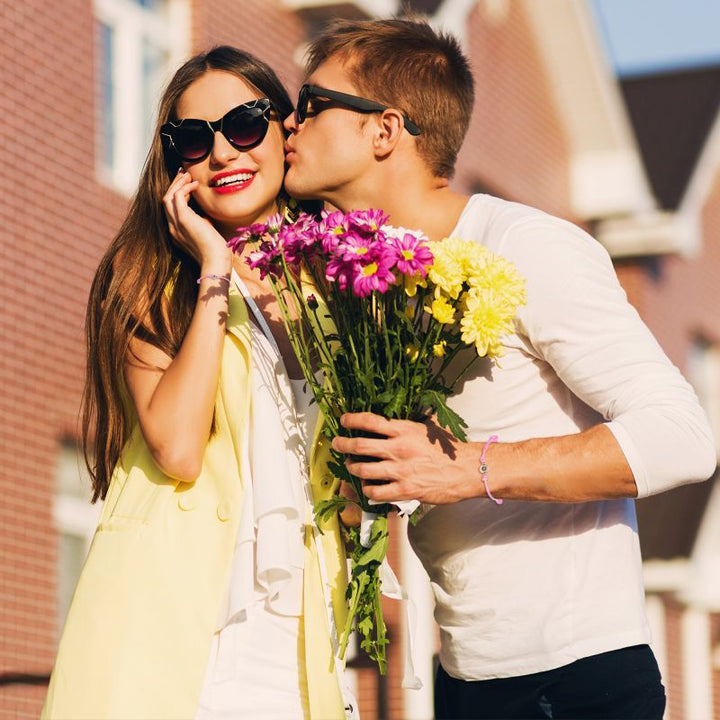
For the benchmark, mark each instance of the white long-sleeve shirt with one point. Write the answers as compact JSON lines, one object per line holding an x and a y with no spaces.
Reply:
{"x":528,"y":586}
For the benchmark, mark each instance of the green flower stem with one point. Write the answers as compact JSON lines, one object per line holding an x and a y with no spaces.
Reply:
{"x":421,"y":368}
{"x":380,"y":629}
{"x":358,"y":586}
{"x":297,"y":294}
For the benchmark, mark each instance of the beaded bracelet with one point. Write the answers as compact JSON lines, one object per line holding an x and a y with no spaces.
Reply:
{"x":214,"y":277}
{"x":484,"y":469}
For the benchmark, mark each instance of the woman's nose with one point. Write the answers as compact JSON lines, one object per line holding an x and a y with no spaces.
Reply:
{"x":222,"y":150}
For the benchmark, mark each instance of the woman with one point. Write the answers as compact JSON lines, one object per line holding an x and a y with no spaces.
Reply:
{"x":206,"y":592}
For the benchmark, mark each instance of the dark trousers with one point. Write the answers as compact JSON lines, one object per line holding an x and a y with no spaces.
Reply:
{"x":616,"y":685}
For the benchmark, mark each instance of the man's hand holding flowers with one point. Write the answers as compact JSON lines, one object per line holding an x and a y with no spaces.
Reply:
{"x":415,"y":460}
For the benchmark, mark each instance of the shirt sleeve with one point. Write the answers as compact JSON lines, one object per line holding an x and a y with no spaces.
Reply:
{"x":578,"y":320}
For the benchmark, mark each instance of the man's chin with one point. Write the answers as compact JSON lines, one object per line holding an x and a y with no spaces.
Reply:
{"x":296,"y":187}
{"x":298,"y":193}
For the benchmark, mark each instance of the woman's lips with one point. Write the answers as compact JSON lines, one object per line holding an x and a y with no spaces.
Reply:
{"x":231,"y":182}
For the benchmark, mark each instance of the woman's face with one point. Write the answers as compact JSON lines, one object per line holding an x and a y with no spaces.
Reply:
{"x":235,"y":187}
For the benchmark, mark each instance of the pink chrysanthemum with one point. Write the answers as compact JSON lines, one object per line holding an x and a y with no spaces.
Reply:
{"x":274,"y":223}
{"x":266,"y":259}
{"x":414,"y":256}
{"x":374,"y":275}
{"x":252,"y":233}
{"x":366,"y":221}
{"x":339,"y":271}
{"x":299,"y":242}
{"x":355,"y":247}
{"x":331,"y":229}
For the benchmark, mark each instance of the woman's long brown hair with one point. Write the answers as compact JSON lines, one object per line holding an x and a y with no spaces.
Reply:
{"x":127,"y":295}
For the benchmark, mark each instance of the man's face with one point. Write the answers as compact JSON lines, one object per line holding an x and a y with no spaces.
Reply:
{"x":329,"y":155}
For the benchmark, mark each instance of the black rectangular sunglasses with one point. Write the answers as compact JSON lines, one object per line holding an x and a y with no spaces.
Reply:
{"x":244,"y":127}
{"x":352,"y":101}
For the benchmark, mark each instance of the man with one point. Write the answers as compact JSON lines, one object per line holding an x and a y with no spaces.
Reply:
{"x":540,"y":604}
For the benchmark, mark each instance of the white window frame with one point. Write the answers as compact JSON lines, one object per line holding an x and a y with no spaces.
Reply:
{"x":131,"y":23}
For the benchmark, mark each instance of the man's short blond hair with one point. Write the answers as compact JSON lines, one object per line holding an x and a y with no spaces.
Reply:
{"x":405,"y":64}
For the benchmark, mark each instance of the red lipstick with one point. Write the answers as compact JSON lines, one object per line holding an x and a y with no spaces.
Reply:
{"x":232,"y":181}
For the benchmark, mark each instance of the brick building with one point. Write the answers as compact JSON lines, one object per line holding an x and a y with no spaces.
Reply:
{"x":637,"y":163}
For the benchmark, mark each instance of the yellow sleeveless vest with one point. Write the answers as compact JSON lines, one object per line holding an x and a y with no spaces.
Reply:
{"x":137,"y":637}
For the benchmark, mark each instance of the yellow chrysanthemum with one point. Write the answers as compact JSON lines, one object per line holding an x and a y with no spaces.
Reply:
{"x":439,"y":348}
{"x":412,"y":283}
{"x":442,"y":310}
{"x":487,"y":318}
{"x":499,"y":275}
{"x":446,"y":272}
{"x":486,"y":289}
{"x":455,"y":261}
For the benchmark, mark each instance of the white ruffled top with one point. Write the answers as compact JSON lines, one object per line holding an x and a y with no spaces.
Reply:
{"x":269,"y":552}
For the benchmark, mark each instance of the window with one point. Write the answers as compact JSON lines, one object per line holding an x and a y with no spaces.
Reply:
{"x":140,"y":42}
{"x":75,"y":520}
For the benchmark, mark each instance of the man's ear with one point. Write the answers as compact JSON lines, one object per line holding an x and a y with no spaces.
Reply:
{"x":389,"y":129}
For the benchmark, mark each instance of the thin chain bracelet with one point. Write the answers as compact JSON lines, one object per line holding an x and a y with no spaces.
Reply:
{"x":214,"y":277}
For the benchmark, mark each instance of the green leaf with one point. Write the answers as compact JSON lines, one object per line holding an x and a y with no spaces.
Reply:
{"x":393,"y":408}
{"x":325,"y":509}
{"x":448,"y":418}
{"x":339,"y":471}
{"x":385,"y":397}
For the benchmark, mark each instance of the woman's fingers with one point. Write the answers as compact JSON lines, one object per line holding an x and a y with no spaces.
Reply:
{"x":184,"y":214}
{"x":191,"y":232}
{"x":183,"y":221}
{"x":169,"y":202}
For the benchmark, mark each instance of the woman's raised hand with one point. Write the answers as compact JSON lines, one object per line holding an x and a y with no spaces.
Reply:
{"x":193,"y":233}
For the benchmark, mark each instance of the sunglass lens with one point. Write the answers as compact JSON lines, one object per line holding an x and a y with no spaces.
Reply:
{"x":192,"y":142}
{"x":246,"y":128}
{"x":301,"y":111}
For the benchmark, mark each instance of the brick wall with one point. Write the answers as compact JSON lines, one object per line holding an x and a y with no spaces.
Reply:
{"x":676,"y":296}
{"x":262,"y":28}
{"x":515,"y":147}
{"x":54,"y":219}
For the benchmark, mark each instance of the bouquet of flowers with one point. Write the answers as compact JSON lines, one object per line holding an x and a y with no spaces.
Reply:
{"x":390,"y":322}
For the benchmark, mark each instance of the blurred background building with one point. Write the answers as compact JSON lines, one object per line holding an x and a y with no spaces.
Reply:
{"x":630,"y":152}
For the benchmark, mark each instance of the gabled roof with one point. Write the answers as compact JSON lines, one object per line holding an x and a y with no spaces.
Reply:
{"x":606,"y":175}
{"x":672,"y":114}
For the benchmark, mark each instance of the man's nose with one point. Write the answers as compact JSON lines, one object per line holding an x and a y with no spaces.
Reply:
{"x":290,"y":123}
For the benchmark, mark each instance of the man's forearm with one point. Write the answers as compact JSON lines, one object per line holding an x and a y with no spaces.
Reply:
{"x":571,"y":468}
